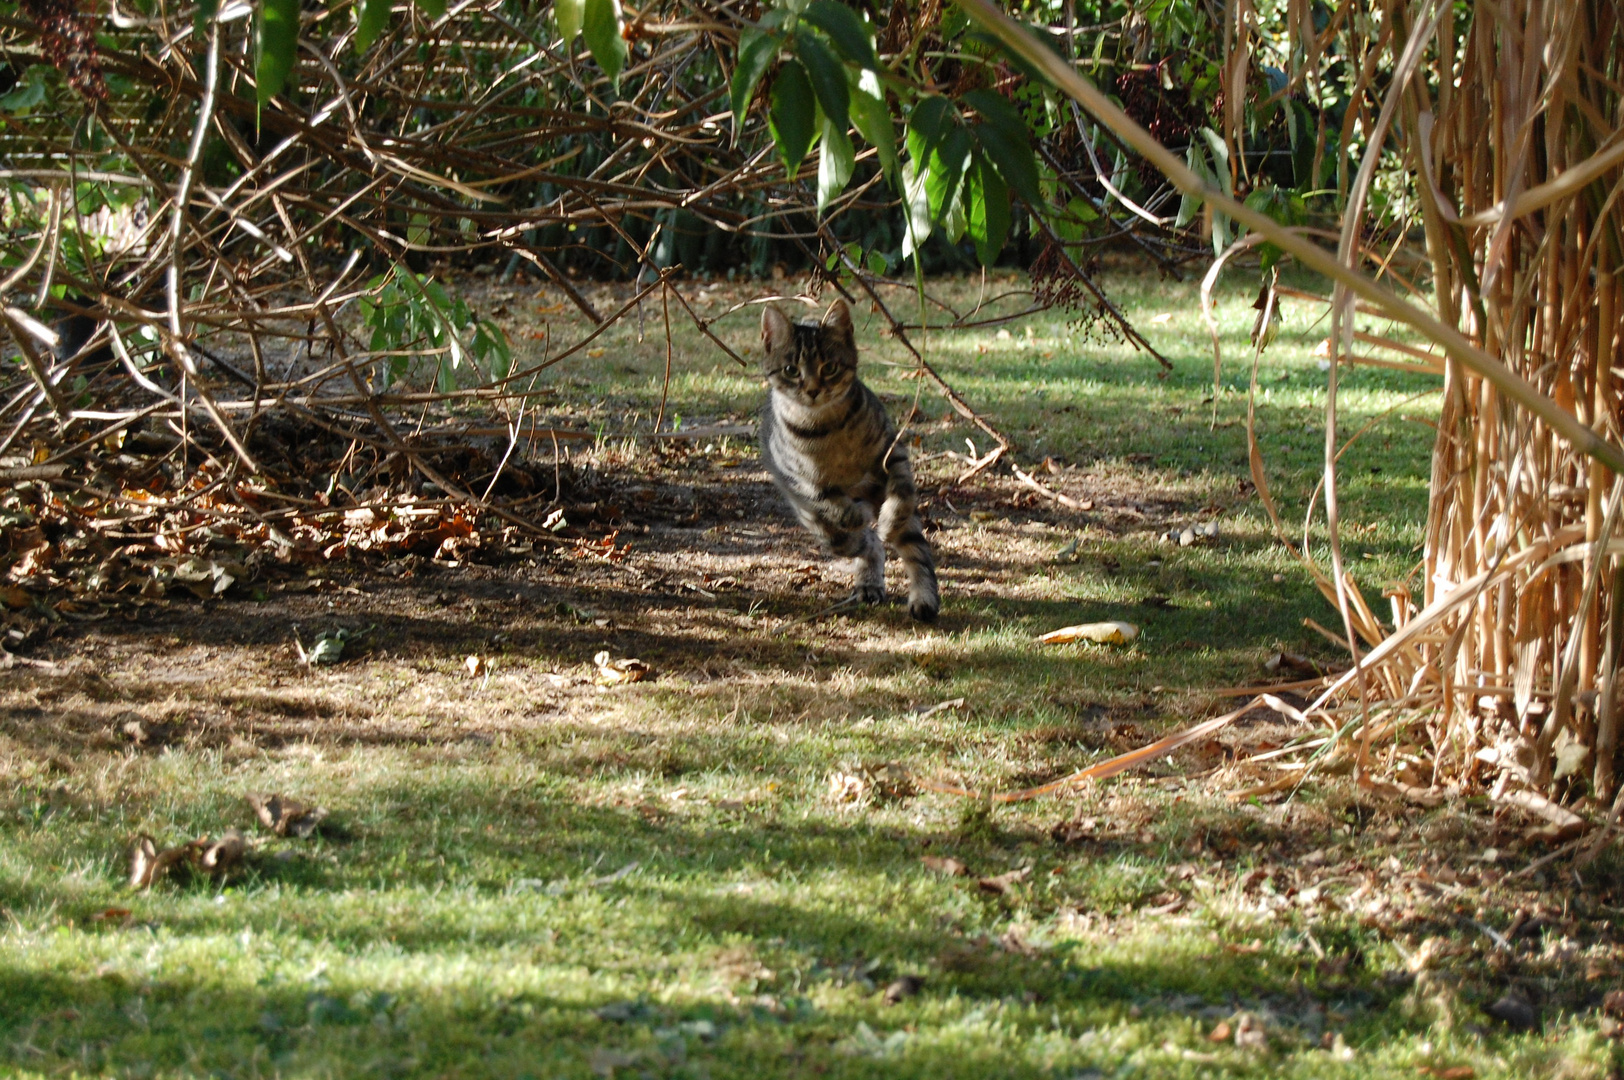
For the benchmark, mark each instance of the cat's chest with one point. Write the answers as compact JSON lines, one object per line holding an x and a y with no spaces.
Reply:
{"x":827,"y":447}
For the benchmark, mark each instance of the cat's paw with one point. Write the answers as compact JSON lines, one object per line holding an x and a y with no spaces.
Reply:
{"x":924,"y":611}
{"x":869,"y":594}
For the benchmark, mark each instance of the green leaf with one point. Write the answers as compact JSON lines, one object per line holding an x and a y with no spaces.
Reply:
{"x":1190,"y":205}
{"x":278,"y":42}
{"x":987,"y":207}
{"x":792,"y":114}
{"x":828,"y":77}
{"x":845,"y":29}
{"x":1011,"y":155}
{"x":756,"y":52}
{"x":947,"y":172}
{"x":995,"y":109}
{"x":877,"y":264}
{"x":834,"y":163}
{"x":1004,"y":139}
{"x":491,"y":346}
{"x":1015,"y":60}
{"x":29,"y":93}
{"x":434,"y":9}
{"x":954,"y":221}
{"x":371,"y":18}
{"x":873,"y":120}
{"x":569,"y":14}
{"x":916,"y":206}
{"x":928,"y":125}
{"x":1220,"y":173}
{"x":600,"y":25}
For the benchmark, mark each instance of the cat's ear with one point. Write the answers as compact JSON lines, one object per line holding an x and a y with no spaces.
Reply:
{"x":776,"y":331}
{"x":837,"y":321}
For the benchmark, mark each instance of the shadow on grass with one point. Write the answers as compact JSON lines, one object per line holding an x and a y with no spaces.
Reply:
{"x":544,"y":1013}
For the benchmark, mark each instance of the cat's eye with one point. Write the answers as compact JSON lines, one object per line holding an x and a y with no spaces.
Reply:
{"x":830,"y":370}
{"x":790,"y":372}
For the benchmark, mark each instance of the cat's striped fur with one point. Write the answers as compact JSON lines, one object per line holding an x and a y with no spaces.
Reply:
{"x":831,"y":449}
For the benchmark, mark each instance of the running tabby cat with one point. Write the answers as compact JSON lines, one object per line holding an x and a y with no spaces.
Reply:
{"x":831,"y":449}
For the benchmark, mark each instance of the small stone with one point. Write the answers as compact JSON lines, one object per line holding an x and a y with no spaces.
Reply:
{"x":905,"y":987}
{"x":1514,"y":1010}
{"x":1186,"y":538}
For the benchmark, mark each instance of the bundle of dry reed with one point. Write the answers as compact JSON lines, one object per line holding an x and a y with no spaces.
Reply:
{"x":1507,"y":114}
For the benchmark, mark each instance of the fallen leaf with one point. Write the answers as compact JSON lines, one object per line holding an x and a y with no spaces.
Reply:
{"x":613,"y":672}
{"x":287,"y":817}
{"x":906,"y":987}
{"x":143,"y":853}
{"x":1539,"y":806}
{"x":846,"y":787}
{"x":112,"y":914}
{"x":1221,"y":1033}
{"x":327,"y":649}
{"x":1250,"y":1033}
{"x":35,"y":560}
{"x":1292,"y":661}
{"x":148,"y":865}
{"x":611,"y":878}
{"x":888,"y":781}
{"x":951,"y":867}
{"x":222,"y":856}
{"x":1169,"y":902}
{"x":1161,"y":319}
{"x":1106,"y":633}
{"x":1000,"y":884}
{"x":475,"y":666}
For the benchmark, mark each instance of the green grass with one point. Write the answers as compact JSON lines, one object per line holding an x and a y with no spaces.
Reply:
{"x":655,"y":881}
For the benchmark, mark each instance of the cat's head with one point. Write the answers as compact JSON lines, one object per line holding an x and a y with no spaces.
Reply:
{"x":811,"y":362}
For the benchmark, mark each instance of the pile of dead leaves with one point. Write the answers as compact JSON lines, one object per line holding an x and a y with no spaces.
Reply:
{"x":74,"y":558}
{"x":218,"y":857}
{"x":222,"y":856}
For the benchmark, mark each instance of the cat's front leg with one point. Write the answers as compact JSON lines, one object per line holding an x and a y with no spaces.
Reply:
{"x":841,"y":512}
{"x":861,"y":551}
{"x":868,"y":570}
